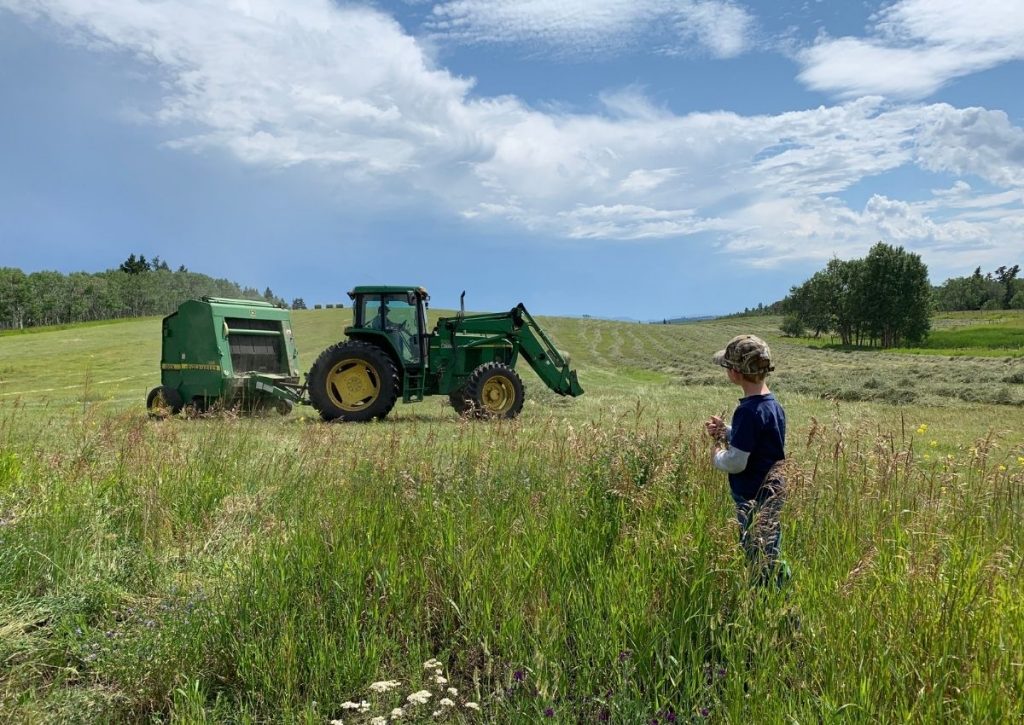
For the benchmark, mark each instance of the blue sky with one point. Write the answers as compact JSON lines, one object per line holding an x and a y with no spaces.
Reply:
{"x":633,"y":158}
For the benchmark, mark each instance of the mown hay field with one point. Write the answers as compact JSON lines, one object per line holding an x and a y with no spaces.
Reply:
{"x":576,"y":565}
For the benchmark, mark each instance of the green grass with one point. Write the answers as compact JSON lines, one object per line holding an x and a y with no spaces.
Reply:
{"x":972,"y":338}
{"x":581,"y":559}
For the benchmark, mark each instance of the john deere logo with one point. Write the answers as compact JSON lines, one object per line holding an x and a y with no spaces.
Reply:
{"x":190,"y":366}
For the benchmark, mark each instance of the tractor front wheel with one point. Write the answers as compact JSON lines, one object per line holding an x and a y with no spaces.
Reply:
{"x":353,"y":381}
{"x":494,"y":390}
{"x":458,"y":400}
{"x":164,"y":401}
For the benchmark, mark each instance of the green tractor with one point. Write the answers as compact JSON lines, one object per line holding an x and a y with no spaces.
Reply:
{"x":390,"y":353}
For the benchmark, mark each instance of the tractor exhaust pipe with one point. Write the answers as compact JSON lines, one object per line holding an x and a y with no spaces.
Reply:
{"x":462,"y":304}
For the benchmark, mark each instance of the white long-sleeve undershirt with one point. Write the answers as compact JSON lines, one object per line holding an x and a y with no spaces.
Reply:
{"x":731,"y":460}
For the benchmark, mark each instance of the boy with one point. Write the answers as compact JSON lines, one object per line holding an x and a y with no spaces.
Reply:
{"x":751,"y":451}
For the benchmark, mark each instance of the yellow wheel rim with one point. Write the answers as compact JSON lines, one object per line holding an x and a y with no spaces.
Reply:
{"x":353,"y":384}
{"x":497,"y":395}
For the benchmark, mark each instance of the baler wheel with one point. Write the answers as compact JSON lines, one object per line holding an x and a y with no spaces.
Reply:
{"x":494,"y":390}
{"x":163,"y":401}
{"x":353,"y":381}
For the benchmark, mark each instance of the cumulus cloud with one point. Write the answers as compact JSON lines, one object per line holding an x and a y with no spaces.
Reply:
{"x":346,"y":91}
{"x":309,"y":82}
{"x":915,"y":47}
{"x":587,"y":27}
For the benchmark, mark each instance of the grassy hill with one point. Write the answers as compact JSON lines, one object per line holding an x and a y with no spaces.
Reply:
{"x":576,"y":565}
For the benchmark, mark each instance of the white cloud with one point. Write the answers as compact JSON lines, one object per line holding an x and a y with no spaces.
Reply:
{"x":628,"y":221}
{"x":590,"y":27}
{"x":306,"y":82}
{"x":917,"y":46}
{"x":973,"y":141}
{"x":346,"y":91}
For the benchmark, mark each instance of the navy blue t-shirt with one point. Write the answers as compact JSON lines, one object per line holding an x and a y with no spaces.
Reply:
{"x":758,"y":427}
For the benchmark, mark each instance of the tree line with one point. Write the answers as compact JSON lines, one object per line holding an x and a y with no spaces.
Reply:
{"x":998,"y":290}
{"x":137,"y":288}
{"x":883,"y":300}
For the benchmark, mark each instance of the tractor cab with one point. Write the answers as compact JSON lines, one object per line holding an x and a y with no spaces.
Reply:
{"x":396,"y":314}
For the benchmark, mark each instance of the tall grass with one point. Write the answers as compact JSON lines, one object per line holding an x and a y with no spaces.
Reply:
{"x":231,"y":570}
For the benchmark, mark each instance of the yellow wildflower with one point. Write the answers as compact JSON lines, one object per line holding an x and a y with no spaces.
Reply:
{"x":933,"y":444}
{"x":1002,"y":467}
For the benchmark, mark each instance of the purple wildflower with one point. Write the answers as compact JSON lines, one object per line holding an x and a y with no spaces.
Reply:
{"x":518,"y":675}
{"x":670,"y":716}
{"x":550,"y":712}
{"x":625,"y":655}
{"x":721,"y":672}
{"x":604,"y":715}
{"x":704,"y":712}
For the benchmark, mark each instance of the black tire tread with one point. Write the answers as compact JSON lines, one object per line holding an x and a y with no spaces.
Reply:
{"x":459,"y":401}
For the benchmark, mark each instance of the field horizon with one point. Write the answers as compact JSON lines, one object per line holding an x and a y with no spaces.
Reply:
{"x":578,"y":564}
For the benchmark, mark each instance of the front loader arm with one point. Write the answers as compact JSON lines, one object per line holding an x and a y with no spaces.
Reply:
{"x":543,"y":357}
{"x":522,"y":331}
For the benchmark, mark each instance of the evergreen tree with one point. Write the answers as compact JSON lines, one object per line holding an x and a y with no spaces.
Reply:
{"x":135,"y":266}
{"x":1006,"y":275}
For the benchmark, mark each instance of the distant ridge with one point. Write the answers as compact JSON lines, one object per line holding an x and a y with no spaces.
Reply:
{"x":683,"y":320}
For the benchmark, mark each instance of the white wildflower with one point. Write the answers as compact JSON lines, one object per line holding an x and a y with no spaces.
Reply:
{"x":397,"y":714}
{"x":349,"y":705}
{"x":431,"y":664}
{"x":440,"y":680}
{"x":445,"y":702}
{"x":419,"y":698}
{"x":473,"y":706}
{"x":379,"y":720}
{"x":435,"y":713}
{"x":453,"y":692}
{"x":339,"y":721}
{"x":384,"y":685}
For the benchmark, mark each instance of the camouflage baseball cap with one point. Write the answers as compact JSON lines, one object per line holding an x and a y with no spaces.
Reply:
{"x":747,"y":354}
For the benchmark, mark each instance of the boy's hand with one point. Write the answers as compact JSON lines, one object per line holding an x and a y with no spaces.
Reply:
{"x":715,"y":427}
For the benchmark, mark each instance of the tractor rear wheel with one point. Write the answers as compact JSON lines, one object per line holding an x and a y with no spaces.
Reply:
{"x":494,"y":390}
{"x":164,"y":401}
{"x":353,"y":381}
